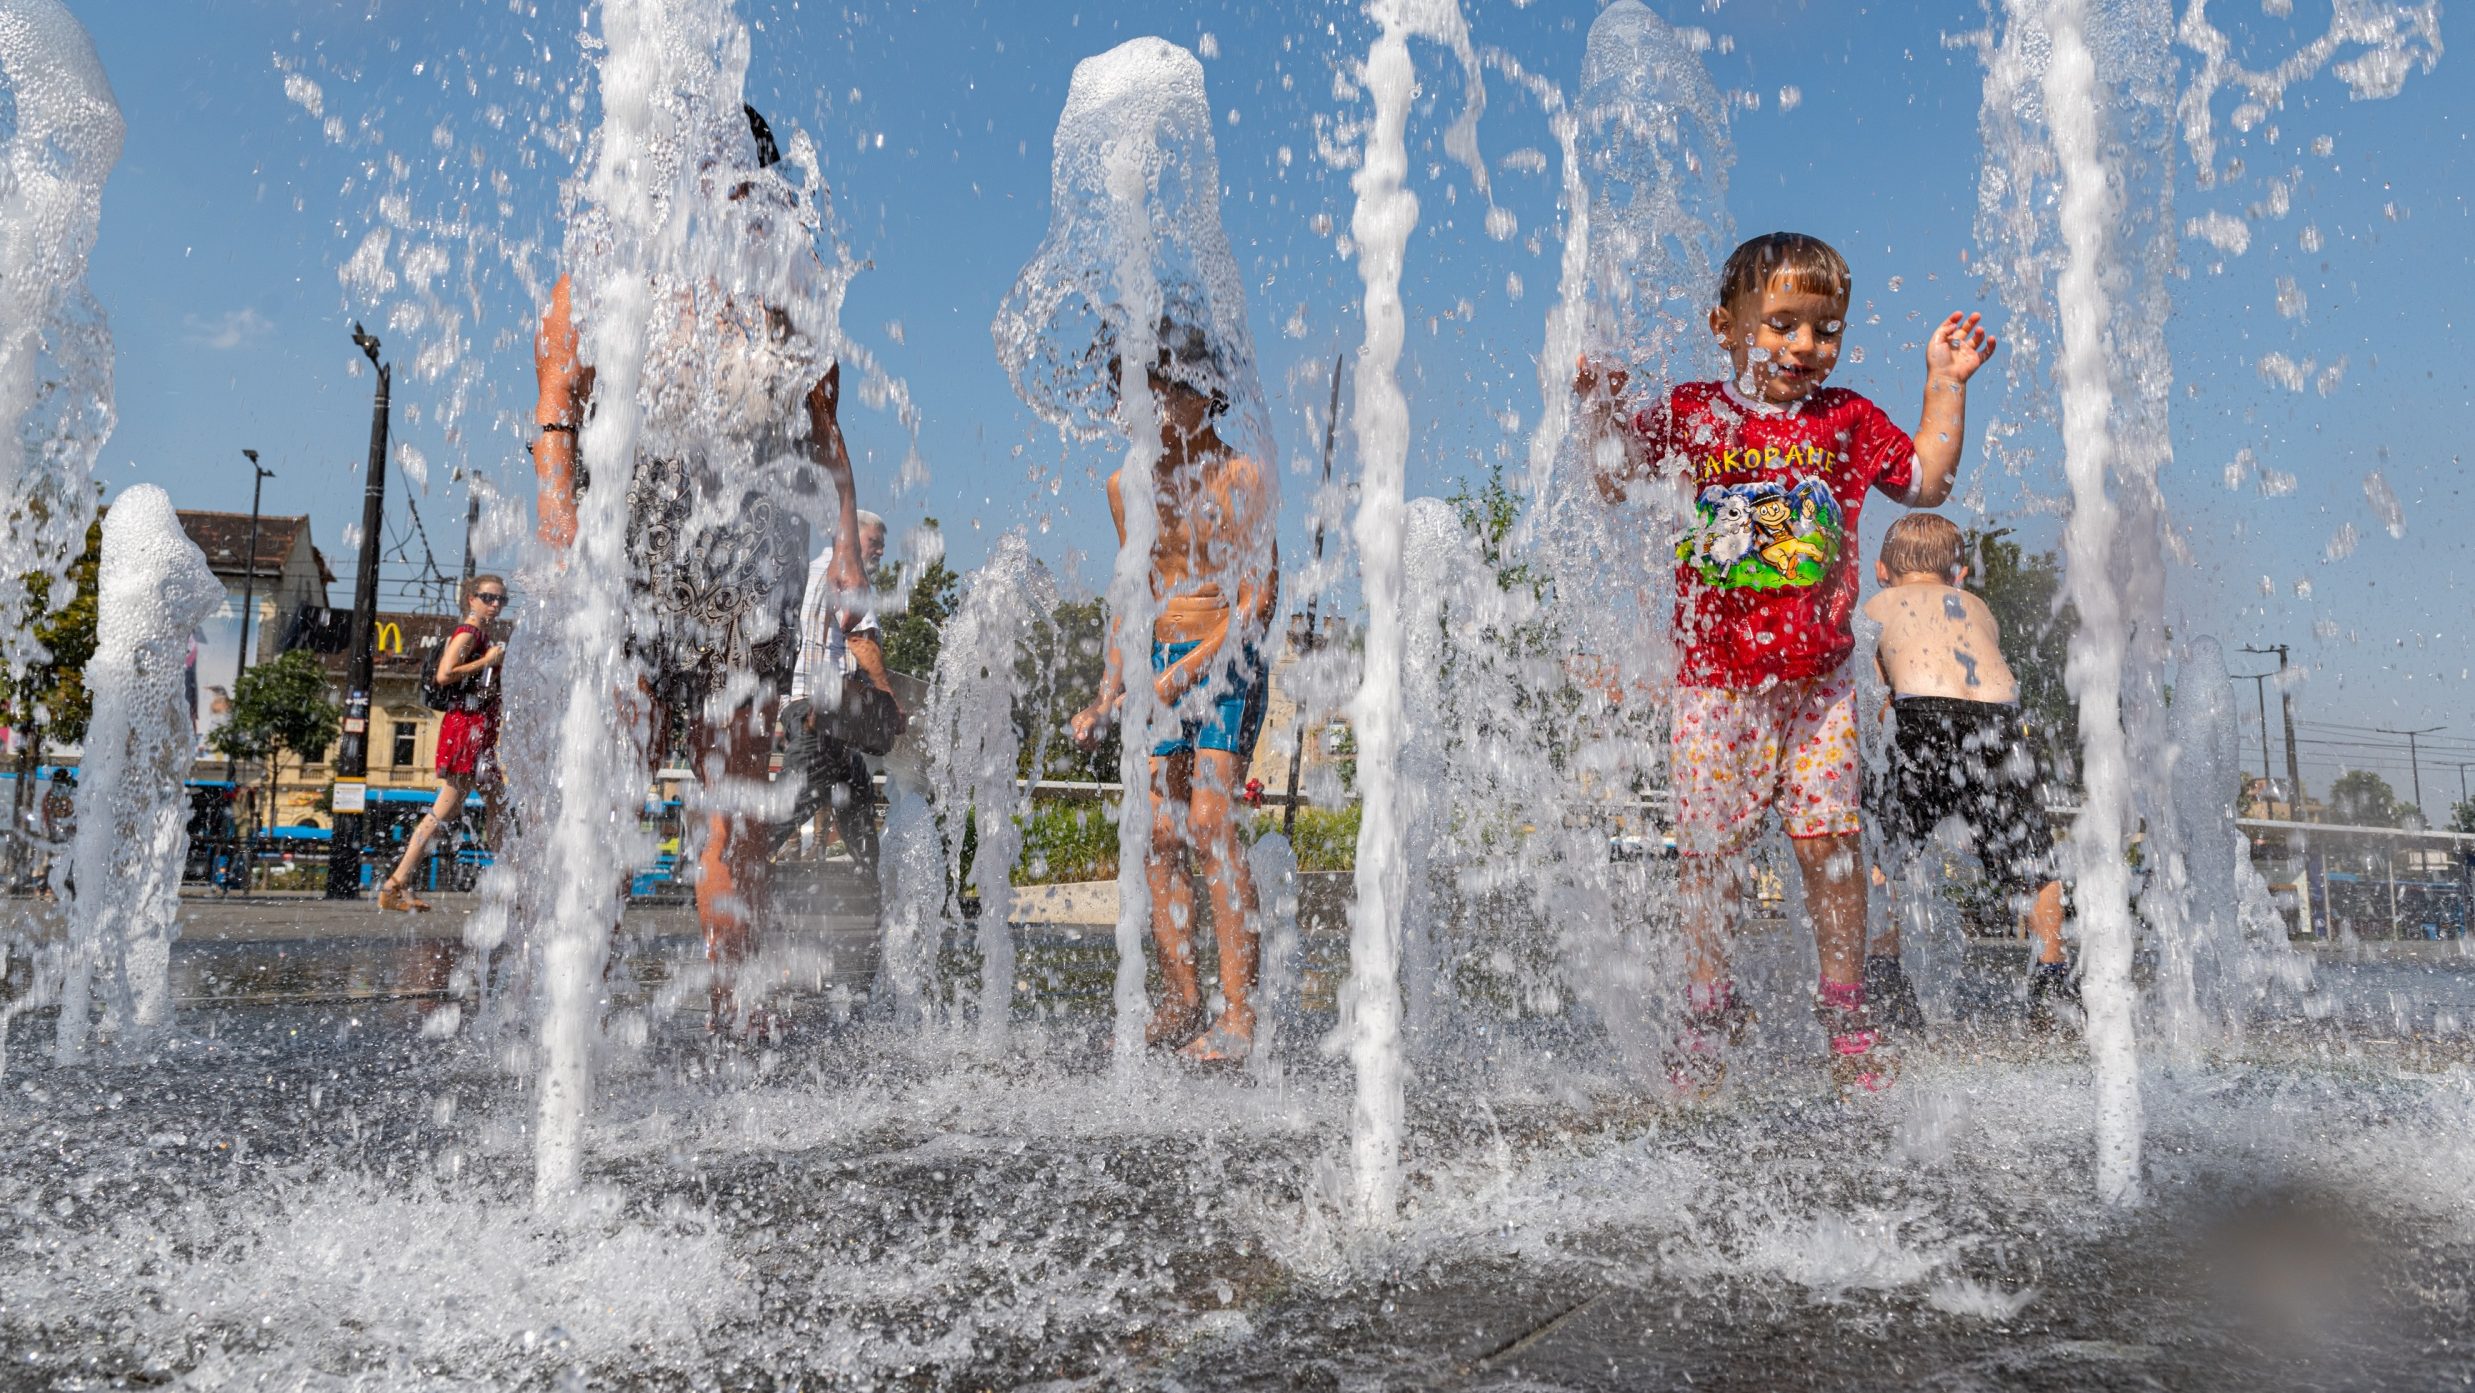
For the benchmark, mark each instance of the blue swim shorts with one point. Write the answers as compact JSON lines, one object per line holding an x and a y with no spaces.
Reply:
{"x":1227,"y":717}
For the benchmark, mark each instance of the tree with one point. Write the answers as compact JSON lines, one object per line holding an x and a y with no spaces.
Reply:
{"x":48,"y":704}
{"x":913,"y":637}
{"x":2024,"y":590}
{"x":2361,"y":798}
{"x":1050,"y":687}
{"x":279,"y":708}
{"x":2462,"y":815}
{"x":49,"y":701}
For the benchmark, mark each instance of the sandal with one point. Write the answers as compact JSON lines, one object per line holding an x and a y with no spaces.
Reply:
{"x":392,"y":896}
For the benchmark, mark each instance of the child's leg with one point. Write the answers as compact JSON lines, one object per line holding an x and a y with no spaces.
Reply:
{"x":1166,"y":869}
{"x":1818,"y":809}
{"x":2044,"y":921}
{"x":1721,"y":766}
{"x":1886,"y":943}
{"x":1835,"y":897}
{"x":452,"y":789}
{"x":730,"y":882}
{"x":1708,"y":890}
{"x":1213,"y":822}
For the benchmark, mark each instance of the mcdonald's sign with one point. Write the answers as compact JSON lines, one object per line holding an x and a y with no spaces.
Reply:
{"x":387,"y":633}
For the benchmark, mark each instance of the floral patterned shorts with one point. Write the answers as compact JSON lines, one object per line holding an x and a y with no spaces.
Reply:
{"x":1732,"y":755}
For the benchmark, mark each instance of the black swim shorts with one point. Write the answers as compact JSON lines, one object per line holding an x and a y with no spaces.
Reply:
{"x":1973,"y":761}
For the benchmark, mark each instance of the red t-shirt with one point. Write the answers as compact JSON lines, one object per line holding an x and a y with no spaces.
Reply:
{"x":1766,"y":578}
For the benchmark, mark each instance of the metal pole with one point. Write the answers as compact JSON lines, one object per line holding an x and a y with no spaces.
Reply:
{"x":2414,"y":762}
{"x":1297,"y":750}
{"x":2260,"y":689}
{"x":249,"y":570}
{"x":2286,"y":706}
{"x":352,"y":760}
{"x":472,"y":519}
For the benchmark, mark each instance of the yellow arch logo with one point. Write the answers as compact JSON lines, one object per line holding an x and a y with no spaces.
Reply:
{"x":388,"y":633}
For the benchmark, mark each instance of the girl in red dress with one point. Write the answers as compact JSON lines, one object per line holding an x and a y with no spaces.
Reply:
{"x":468,"y":666}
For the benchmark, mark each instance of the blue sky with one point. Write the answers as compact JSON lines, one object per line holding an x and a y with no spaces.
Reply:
{"x":232,"y":210}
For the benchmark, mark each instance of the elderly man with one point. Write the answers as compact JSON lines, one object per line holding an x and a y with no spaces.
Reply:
{"x":841,"y":703}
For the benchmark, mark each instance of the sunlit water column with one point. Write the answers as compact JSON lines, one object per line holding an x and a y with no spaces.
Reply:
{"x":61,"y":139}
{"x":153,"y":590}
{"x":1386,"y":214}
{"x":589,"y":770}
{"x":2095,"y":670}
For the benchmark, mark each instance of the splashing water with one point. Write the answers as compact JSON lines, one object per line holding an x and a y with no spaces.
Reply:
{"x":1135,"y":242}
{"x":2068,"y":86}
{"x":2221,"y":944}
{"x":153,"y":590}
{"x":970,"y":750}
{"x":55,"y":345}
{"x":705,"y":314}
{"x":1386,"y":215}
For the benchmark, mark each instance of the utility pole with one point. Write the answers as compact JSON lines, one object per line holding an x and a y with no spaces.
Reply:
{"x":2286,"y":706}
{"x":472,"y":520}
{"x":352,"y":754}
{"x":2414,"y":764}
{"x":249,"y":570}
{"x":2260,"y":689}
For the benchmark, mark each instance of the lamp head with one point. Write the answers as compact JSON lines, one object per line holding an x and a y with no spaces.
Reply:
{"x":250,"y":455}
{"x":366,"y":341}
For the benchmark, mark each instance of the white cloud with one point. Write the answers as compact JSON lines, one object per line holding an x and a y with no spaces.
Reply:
{"x":229,"y":330}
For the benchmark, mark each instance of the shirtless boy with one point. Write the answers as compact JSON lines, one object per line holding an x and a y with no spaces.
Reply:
{"x":1215,"y":573}
{"x":1959,"y":749}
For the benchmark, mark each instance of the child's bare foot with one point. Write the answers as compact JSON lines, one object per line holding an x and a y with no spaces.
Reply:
{"x":1230,"y":1040}
{"x":1173,"y":1024}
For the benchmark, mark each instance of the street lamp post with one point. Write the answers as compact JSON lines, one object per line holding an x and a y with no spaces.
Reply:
{"x":352,"y":753}
{"x":249,"y":611}
{"x":249,"y":568}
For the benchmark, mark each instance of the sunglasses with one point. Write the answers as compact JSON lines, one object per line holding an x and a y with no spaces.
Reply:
{"x":492,"y":597}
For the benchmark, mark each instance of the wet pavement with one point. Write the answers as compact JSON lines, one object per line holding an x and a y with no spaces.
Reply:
{"x":321,"y":1177}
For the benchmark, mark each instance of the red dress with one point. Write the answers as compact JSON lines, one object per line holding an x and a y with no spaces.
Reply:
{"x":468,"y":731}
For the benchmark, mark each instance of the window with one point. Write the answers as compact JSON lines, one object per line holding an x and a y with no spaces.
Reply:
{"x":407,"y":739}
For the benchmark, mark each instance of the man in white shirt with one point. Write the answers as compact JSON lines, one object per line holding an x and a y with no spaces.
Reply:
{"x":823,"y":641}
{"x":841,"y":704}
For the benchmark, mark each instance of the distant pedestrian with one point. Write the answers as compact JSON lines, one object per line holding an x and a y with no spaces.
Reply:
{"x":59,"y":824}
{"x":842,"y":704}
{"x":468,"y":676}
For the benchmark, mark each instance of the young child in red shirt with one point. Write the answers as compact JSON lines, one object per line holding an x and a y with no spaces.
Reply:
{"x":1763,"y":715}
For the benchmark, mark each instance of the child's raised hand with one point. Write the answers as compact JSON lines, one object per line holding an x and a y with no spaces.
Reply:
{"x":1958,"y":348}
{"x":1598,"y":382}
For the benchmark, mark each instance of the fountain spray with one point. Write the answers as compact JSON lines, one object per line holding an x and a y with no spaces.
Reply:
{"x":1386,"y":215}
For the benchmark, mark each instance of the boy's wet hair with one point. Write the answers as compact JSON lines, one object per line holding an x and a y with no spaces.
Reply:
{"x":1816,"y":267}
{"x":1923,"y":544}
{"x":1185,"y":356}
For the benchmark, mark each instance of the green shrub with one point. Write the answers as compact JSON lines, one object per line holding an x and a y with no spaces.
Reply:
{"x":1078,"y":841}
{"x":1325,"y":839}
{"x":1068,"y":841}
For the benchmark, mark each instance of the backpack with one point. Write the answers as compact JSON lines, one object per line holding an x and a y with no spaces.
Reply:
{"x":437,"y":695}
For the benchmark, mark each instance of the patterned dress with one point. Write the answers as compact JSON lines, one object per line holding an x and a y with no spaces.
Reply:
{"x":717,"y":510}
